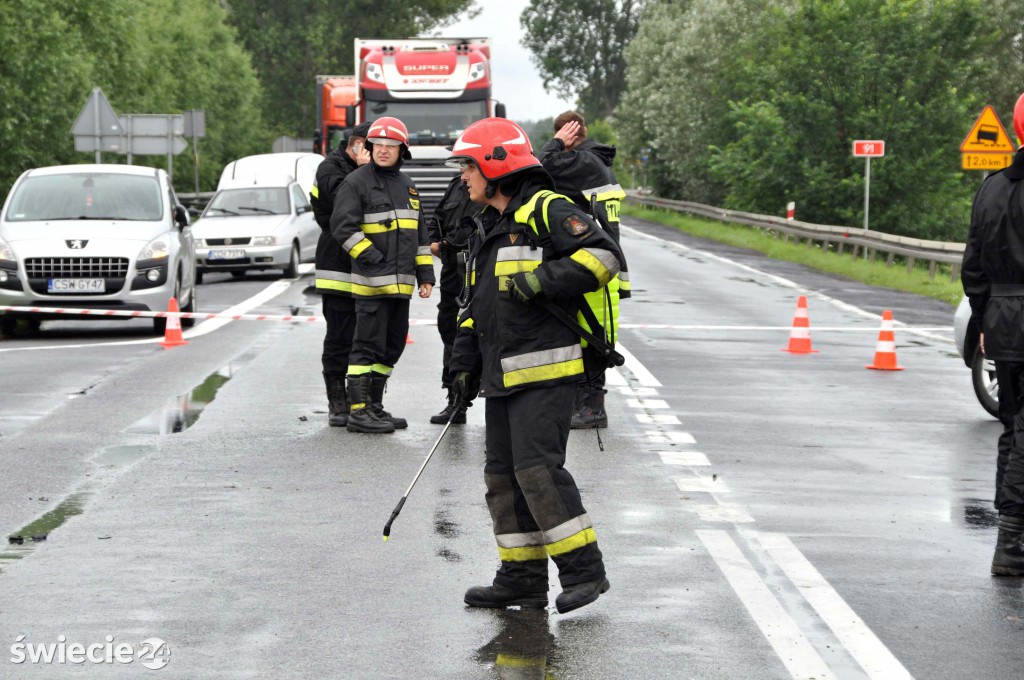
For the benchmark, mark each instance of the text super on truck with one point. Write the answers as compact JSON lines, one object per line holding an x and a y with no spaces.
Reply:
{"x":436,"y":86}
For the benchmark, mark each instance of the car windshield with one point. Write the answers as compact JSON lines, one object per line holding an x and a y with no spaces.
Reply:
{"x":249,"y":201}
{"x":431,"y":122}
{"x":86,"y":196}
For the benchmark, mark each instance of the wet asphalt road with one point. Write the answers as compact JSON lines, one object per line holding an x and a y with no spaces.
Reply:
{"x":762,"y":514}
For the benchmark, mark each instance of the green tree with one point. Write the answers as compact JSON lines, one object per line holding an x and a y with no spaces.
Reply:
{"x":291,"y":42}
{"x":37,"y":83}
{"x":579,"y":47}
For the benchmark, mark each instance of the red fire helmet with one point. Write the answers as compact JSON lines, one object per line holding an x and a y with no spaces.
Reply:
{"x":1018,"y":119}
{"x":497,"y":146}
{"x":388,"y":131}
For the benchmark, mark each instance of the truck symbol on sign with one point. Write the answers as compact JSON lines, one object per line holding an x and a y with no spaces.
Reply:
{"x":987,"y":134}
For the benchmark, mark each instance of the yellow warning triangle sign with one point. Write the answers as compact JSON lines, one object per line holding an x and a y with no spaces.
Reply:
{"x":988,"y":135}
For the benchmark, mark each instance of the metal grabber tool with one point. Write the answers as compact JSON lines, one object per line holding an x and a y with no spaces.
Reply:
{"x":398,"y":508}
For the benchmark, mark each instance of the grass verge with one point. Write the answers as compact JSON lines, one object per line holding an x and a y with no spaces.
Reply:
{"x":768,"y":242}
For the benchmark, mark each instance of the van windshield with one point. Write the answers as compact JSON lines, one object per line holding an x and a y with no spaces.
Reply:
{"x":86,"y":196}
{"x":249,"y":201}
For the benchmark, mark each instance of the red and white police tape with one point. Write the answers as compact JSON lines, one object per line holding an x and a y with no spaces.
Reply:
{"x":108,"y":313}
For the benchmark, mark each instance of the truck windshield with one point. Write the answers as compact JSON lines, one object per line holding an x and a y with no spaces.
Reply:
{"x":86,"y":196}
{"x":249,"y":201}
{"x":431,"y":122}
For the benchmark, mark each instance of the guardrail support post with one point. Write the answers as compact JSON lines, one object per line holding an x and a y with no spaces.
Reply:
{"x":911,"y":261}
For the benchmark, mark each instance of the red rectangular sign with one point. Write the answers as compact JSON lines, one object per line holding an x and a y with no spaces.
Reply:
{"x":869,"y":148}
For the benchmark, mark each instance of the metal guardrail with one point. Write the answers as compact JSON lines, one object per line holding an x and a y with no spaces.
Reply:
{"x":862,"y":242}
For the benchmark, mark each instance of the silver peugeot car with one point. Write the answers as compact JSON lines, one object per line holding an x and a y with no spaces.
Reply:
{"x":94,"y":236}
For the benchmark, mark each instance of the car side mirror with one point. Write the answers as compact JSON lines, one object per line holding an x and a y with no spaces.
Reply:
{"x":301,"y":209}
{"x":180,"y":216}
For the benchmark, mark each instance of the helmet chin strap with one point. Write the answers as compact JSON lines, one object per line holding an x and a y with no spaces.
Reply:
{"x":491,"y":189}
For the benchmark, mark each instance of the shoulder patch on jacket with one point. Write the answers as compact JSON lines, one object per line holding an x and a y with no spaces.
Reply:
{"x":575,"y":226}
{"x":413,"y":192}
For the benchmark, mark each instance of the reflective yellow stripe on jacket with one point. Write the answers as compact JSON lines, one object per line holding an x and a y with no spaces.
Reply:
{"x":548,"y":364}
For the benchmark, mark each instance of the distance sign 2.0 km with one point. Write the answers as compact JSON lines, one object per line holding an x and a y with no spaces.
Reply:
{"x":986,"y":161}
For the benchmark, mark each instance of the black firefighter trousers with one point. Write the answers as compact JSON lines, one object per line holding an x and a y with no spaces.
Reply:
{"x":340,"y":317}
{"x":1010,"y":461}
{"x":534,"y":503}
{"x":382,"y":327}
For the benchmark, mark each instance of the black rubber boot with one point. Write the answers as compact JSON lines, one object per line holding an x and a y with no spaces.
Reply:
{"x":589,"y":412}
{"x":446,"y":413}
{"x":362,"y":417}
{"x":1009,"y":557}
{"x":498,"y":596}
{"x":377,"y":383}
{"x":580,"y":594}
{"x":337,"y":400}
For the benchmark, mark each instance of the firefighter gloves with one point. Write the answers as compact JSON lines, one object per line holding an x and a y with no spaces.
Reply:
{"x":466,"y":386}
{"x":524,"y":287}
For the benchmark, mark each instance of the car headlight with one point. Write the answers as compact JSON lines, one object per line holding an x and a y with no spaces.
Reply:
{"x":263,"y":240}
{"x":156,"y":249}
{"x":6,"y":252}
{"x":375,"y":73}
{"x":200,"y":243}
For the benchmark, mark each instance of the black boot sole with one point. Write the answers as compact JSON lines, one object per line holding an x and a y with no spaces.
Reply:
{"x":1007,"y":571}
{"x":563,"y":609}
{"x":530,"y":602}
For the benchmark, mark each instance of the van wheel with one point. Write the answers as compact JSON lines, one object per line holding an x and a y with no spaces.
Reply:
{"x":986,"y":388}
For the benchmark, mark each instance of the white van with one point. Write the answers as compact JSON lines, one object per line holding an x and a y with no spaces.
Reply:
{"x":301,"y":166}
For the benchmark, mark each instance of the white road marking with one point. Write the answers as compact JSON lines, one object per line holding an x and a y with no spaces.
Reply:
{"x":790,"y":645}
{"x":647,"y":403}
{"x":268,"y":293}
{"x":698,"y":484}
{"x":662,"y":437}
{"x":855,"y":635}
{"x":684,"y":458}
{"x":786,"y":283}
{"x":639,"y":391}
{"x":717,"y":512}
{"x":640,"y":371}
{"x":657,"y":420}
{"x":613,"y":377}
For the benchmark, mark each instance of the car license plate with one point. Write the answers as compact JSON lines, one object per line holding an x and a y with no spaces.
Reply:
{"x":76,"y":286}
{"x":226,"y":255}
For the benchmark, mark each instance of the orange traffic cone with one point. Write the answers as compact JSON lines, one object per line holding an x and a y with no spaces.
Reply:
{"x":172,"y":332}
{"x":885,"y":350}
{"x":408,"y":339}
{"x":800,"y":336}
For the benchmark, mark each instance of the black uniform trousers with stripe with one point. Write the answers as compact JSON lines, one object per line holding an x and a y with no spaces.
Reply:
{"x":530,"y":491}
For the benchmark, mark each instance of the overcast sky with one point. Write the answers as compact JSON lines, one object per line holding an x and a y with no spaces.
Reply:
{"x":516,"y":81}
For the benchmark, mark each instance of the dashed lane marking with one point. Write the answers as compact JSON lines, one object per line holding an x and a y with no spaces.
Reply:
{"x":647,"y":403}
{"x":721,"y":512}
{"x":690,"y":458}
{"x":782,"y":633}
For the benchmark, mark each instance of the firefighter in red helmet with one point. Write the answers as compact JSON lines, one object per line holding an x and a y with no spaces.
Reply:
{"x":993,"y":277}
{"x":532,"y":245}
{"x":378,"y":222}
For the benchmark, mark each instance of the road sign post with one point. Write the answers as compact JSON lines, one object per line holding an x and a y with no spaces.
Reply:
{"x":868,"y":149}
{"x":97,"y":127}
{"x":195,"y":127}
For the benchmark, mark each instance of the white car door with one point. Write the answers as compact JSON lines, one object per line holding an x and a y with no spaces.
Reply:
{"x":309,"y":231}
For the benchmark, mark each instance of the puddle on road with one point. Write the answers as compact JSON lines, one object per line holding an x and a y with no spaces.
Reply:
{"x":183,"y":411}
{"x":979,"y":514}
{"x":110,"y":462}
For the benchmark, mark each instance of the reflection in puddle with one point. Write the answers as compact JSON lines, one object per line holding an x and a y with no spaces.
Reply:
{"x":182,"y":412}
{"x":523,"y":646}
{"x":110,"y":461}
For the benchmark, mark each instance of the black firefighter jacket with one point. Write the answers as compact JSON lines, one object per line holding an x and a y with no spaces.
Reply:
{"x":514,"y":346}
{"x":993,"y":264}
{"x":586,"y":172}
{"x":333,"y":265}
{"x":378,"y":223}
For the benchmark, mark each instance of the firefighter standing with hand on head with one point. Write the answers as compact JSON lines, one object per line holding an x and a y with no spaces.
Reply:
{"x":993,"y":278}
{"x":334,"y":270}
{"x":449,"y":231}
{"x":378,"y":222}
{"x":581,"y":169}
{"x":533,"y":246}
